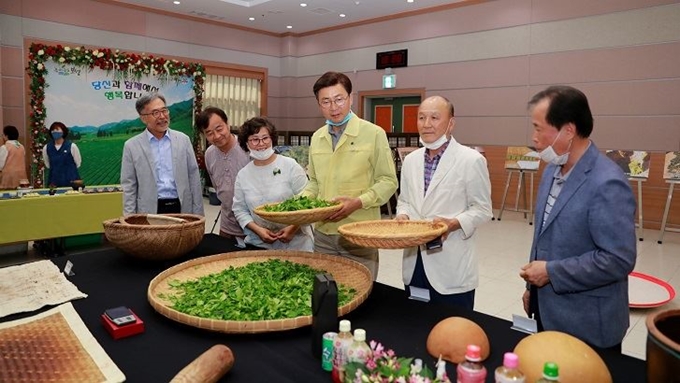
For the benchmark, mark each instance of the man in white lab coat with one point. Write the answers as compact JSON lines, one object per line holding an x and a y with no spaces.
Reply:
{"x":448,"y":182}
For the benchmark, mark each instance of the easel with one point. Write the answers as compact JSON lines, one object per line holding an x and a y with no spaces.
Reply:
{"x":521,"y":189}
{"x":639,"y":182}
{"x":666,"y":210}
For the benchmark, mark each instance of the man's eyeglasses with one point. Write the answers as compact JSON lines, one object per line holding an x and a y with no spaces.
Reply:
{"x":257,"y":140}
{"x":157,"y":112}
{"x":338,"y":101}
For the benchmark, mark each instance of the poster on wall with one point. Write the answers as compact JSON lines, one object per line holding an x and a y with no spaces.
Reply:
{"x":634,"y":163}
{"x":99,"y":111}
{"x":93,"y":92}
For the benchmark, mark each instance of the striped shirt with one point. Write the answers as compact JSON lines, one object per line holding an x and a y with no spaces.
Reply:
{"x":555,"y":190}
{"x":431,"y":165}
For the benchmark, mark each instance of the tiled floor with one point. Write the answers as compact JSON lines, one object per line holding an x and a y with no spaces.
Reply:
{"x":503,"y":247}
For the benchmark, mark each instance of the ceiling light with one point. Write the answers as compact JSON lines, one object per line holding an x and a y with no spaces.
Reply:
{"x":303,"y":4}
{"x":409,"y":1}
{"x":251,"y":18}
{"x":289,"y":26}
{"x":176,"y":2}
{"x":342,"y":15}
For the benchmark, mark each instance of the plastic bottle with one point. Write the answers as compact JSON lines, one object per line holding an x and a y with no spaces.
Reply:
{"x":341,"y":344}
{"x":472,"y":370}
{"x":509,"y":371}
{"x":359,"y":350}
{"x":550,"y":373}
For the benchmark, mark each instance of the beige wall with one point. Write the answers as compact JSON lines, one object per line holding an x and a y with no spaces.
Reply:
{"x":487,"y":58}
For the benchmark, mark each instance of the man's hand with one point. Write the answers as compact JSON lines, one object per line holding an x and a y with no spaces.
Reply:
{"x":453,"y":224}
{"x":525,"y":300}
{"x":536,"y":273}
{"x":401,"y":217}
{"x":349,"y":206}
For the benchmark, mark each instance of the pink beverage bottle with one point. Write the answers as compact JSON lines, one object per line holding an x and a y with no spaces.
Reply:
{"x":509,"y":372}
{"x":472,"y":370}
{"x":341,"y":345}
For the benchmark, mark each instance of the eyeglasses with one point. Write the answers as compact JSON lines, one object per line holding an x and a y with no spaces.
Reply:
{"x":157,"y":112}
{"x":257,"y":140}
{"x":338,"y":101}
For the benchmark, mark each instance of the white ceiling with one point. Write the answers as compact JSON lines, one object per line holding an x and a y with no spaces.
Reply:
{"x":275,"y":15}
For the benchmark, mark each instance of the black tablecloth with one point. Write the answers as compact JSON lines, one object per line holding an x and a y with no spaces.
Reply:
{"x":112,"y":279}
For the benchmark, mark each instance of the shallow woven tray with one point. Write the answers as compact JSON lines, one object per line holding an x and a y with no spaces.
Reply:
{"x":298,"y":217}
{"x":389,"y":234}
{"x":135,"y":236}
{"x":345,"y":272}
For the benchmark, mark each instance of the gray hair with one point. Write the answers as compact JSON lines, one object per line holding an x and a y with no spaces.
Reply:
{"x":147,"y":98}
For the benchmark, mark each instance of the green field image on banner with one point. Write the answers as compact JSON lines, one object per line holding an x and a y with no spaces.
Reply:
{"x":101,"y":147}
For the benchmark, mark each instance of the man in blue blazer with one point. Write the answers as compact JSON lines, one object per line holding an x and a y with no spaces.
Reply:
{"x":584,"y":240}
{"x":159,"y":172}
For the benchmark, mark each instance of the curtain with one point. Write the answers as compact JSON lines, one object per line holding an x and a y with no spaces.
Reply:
{"x":239,"y":97}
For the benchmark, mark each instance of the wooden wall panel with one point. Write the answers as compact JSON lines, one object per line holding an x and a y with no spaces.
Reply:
{"x":654,"y":190}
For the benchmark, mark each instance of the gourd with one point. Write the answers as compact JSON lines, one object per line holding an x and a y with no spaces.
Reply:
{"x":451,"y":336}
{"x":209,"y":367}
{"x":577,"y":362}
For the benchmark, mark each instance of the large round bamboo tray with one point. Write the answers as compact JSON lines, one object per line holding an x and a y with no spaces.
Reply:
{"x":390,"y":234}
{"x":345,"y":272}
{"x":134,"y":235}
{"x":298,"y":217}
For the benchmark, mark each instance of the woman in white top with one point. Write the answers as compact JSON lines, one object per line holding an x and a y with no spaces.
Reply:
{"x":268,"y":178}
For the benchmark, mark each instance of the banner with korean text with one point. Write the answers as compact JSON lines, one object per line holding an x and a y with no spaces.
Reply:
{"x":99,"y":111}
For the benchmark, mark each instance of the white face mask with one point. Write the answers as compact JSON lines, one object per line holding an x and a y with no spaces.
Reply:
{"x":262,"y":155}
{"x":548,"y":154}
{"x":436,"y":144}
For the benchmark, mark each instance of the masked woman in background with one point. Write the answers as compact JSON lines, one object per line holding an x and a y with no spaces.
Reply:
{"x":61,"y":156}
{"x":268,"y":178}
{"x":12,"y":159}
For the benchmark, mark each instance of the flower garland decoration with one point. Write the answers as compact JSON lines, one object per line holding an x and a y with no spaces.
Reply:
{"x":124,"y":65}
{"x":384,"y":366}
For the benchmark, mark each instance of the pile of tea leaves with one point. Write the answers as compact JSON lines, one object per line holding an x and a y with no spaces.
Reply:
{"x":274,"y":289}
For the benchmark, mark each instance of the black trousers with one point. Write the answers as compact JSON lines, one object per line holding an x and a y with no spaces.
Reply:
{"x":169,"y":206}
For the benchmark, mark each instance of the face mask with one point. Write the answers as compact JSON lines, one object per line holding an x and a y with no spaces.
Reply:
{"x":262,"y":155}
{"x":548,"y":154}
{"x":57,"y":135}
{"x":343,"y":122}
{"x":435,"y":145}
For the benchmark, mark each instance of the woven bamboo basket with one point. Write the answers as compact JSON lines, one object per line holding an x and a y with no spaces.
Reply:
{"x":389,"y":234}
{"x":298,"y":217}
{"x":345,"y":272}
{"x":135,"y":235}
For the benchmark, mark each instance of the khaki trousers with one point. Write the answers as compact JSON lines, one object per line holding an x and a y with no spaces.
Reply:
{"x":338,"y":245}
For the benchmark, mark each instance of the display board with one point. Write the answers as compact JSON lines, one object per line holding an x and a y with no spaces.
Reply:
{"x":521,"y":158}
{"x":671,"y":167}
{"x":634,"y":163}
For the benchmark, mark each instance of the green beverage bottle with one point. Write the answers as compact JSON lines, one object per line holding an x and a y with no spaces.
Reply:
{"x":550,"y":374}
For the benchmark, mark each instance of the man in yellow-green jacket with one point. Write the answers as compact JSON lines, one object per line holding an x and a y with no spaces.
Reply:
{"x":349,"y":161}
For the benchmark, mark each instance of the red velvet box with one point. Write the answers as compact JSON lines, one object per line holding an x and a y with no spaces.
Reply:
{"x":118,"y":332}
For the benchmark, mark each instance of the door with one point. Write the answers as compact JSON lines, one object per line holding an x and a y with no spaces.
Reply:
{"x":383,"y":117}
{"x":410,"y":119}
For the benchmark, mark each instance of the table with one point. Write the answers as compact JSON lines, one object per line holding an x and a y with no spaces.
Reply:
{"x":62,"y":215}
{"x":113,"y":279}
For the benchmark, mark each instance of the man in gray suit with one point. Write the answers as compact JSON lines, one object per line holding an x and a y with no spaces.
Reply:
{"x":159,"y":173}
{"x":584,"y":240}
